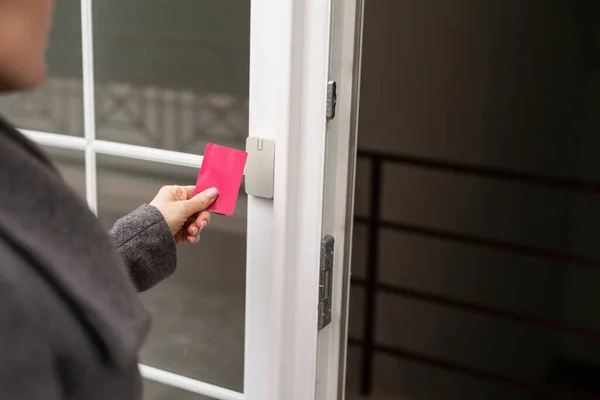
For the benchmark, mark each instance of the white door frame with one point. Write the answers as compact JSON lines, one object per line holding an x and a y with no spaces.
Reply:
{"x":288,"y":76}
{"x":338,"y":205}
{"x":296,"y":45}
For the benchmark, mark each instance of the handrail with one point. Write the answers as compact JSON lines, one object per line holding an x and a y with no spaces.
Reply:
{"x":371,"y":284}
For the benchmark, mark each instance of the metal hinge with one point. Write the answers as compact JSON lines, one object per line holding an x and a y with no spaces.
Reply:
{"x":331,"y":99}
{"x":325,"y":281}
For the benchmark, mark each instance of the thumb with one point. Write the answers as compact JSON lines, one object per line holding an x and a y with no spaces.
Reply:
{"x":201,"y":201}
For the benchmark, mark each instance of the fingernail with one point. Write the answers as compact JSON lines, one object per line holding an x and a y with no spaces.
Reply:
{"x":194,"y":231}
{"x":202,"y":225}
{"x":211,"y":193}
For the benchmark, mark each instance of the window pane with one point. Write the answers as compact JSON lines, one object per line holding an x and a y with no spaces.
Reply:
{"x":57,"y":105}
{"x":71,"y":164}
{"x":198,"y":313}
{"x":158,"y":391}
{"x":172,"y":74}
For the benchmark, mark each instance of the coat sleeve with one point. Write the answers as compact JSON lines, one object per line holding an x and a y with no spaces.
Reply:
{"x":146,"y":245}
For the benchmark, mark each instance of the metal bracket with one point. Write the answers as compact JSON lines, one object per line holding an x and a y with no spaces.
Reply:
{"x":325,"y":281}
{"x":331,"y":99}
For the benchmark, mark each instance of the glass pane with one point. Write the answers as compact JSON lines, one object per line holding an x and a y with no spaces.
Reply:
{"x":198,"y":326}
{"x":158,"y":391}
{"x":172,"y":74}
{"x":71,"y":164}
{"x":57,"y":105}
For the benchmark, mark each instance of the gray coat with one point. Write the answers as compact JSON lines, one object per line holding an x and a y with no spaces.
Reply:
{"x":71,"y":323}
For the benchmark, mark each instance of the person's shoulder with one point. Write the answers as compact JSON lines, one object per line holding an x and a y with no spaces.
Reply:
{"x":17,"y":278}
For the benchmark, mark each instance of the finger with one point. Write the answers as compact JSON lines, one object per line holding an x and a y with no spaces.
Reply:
{"x":179,"y":237}
{"x":192,"y":230}
{"x":185,"y":228}
{"x":198,"y":222}
{"x":201,"y":201}
{"x":193,"y":239}
{"x":202,"y":220}
{"x":189,"y":190}
{"x":173,"y":192}
{"x":180,"y":192}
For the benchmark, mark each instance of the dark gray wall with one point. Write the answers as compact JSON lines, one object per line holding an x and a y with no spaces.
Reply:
{"x":489,"y":83}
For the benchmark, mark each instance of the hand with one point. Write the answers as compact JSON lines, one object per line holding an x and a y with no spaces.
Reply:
{"x":185,"y":213}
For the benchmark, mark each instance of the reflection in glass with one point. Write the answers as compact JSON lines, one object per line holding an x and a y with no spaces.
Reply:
{"x":71,"y":165}
{"x":172,"y":74}
{"x":158,"y":391}
{"x":57,"y":105}
{"x":198,"y":313}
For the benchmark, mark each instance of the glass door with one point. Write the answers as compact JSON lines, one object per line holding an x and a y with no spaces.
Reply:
{"x":135,"y":91}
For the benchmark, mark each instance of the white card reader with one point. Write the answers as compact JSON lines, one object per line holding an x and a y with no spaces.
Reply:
{"x":260,"y":167}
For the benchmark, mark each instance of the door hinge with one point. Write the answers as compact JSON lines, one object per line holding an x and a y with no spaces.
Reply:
{"x":331,"y":99}
{"x":325,"y":281}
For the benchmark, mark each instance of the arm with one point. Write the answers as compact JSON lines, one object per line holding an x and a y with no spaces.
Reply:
{"x":146,"y":238}
{"x":146,"y":245}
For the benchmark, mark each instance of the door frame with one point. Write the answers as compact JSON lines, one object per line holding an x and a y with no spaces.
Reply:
{"x":338,"y":204}
{"x":296,"y":47}
{"x":288,"y":75}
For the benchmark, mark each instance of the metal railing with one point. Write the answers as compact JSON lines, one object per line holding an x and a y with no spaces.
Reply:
{"x":372,"y":285}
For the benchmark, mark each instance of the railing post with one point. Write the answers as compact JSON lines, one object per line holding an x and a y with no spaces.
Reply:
{"x":375,"y":192}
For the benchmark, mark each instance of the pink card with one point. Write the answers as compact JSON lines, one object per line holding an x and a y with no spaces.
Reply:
{"x":222,"y":168}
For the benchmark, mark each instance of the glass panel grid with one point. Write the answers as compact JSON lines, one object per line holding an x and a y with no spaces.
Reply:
{"x":90,"y":147}
{"x":172,"y":74}
{"x":164,"y":377}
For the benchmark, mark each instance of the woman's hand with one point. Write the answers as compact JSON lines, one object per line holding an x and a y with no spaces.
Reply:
{"x":185,"y":213}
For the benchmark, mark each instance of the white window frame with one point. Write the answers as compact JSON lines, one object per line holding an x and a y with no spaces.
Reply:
{"x":289,"y":69}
